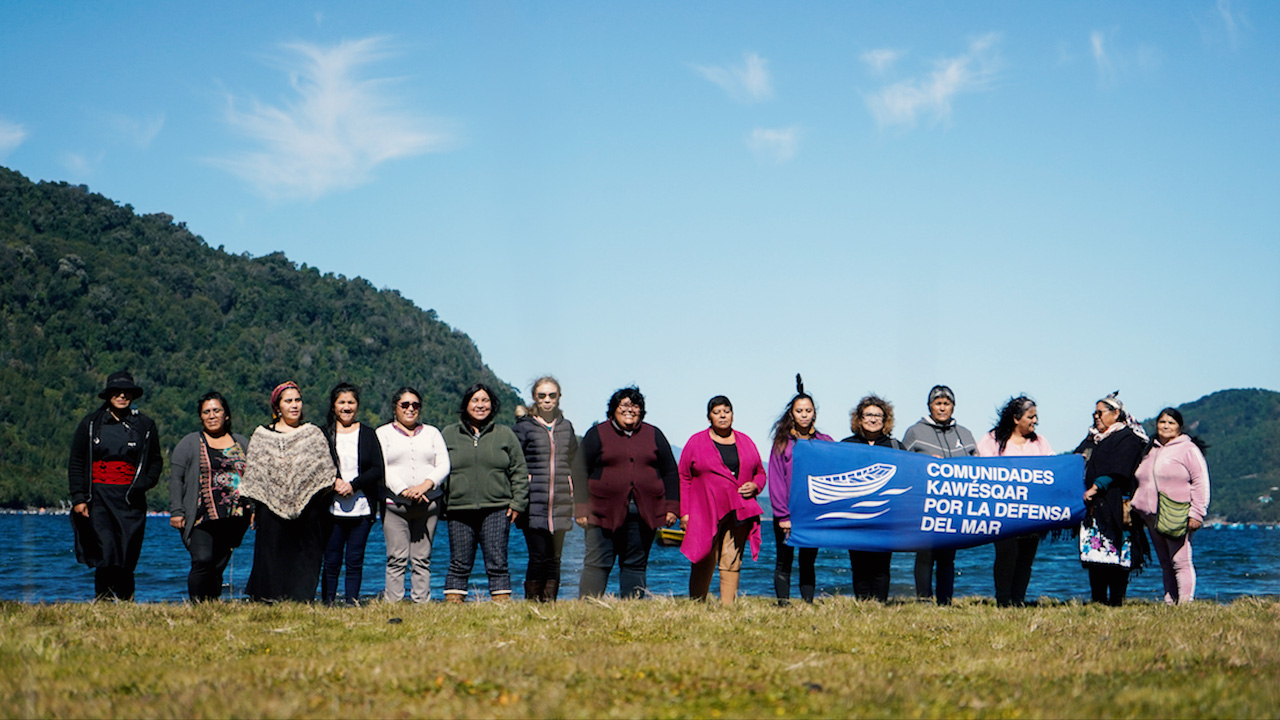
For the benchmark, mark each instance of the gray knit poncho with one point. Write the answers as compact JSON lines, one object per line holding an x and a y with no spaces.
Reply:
{"x":285,"y":470}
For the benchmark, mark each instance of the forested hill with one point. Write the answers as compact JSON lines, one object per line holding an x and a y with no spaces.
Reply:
{"x":89,"y":287}
{"x":1243,"y":429}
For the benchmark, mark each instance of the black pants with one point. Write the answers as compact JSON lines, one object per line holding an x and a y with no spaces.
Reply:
{"x":1108,"y":583}
{"x":870,"y":574}
{"x":629,"y":545}
{"x":946,"y":560}
{"x":490,"y":529}
{"x":211,"y":543}
{"x":782,"y":568}
{"x":1012,"y":569}
{"x":113,"y":582}
{"x":544,"y":554}
{"x":346,"y":542}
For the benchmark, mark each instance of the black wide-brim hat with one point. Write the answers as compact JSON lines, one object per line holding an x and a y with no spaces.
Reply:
{"x":118,"y":381}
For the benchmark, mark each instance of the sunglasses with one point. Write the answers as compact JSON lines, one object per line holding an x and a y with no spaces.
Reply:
{"x":405,"y":405}
{"x":548,"y":396}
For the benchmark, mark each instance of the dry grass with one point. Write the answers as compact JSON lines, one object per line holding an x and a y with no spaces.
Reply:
{"x":659,"y":658}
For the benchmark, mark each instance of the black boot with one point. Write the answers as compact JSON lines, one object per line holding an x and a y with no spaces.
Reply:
{"x":533,"y":589}
{"x":806,"y":593}
{"x":550,"y":590}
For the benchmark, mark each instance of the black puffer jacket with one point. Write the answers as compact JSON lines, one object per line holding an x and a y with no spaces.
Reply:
{"x":549,"y":452}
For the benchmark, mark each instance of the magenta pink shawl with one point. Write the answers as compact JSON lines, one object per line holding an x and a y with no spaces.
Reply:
{"x":708,"y":491}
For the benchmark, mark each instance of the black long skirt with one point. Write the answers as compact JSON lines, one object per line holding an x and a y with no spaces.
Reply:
{"x":111,"y":537}
{"x":288,"y":554}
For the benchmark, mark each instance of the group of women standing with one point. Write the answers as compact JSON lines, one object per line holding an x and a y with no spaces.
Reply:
{"x":1123,"y":470}
{"x":313,"y":494}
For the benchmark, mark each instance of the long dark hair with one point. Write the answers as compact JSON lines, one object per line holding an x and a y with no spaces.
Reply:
{"x":494,"y":404}
{"x":785,"y":428}
{"x":331,"y":419}
{"x":226,"y":407}
{"x":1009,"y":416}
{"x":1182,"y":429}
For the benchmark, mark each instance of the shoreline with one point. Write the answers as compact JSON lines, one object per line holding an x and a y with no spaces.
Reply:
{"x":1216,"y":524}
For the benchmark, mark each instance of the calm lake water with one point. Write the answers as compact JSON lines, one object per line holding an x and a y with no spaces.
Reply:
{"x":39,"y":565}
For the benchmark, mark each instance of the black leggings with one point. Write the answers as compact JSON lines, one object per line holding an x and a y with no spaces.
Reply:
{"x":211,"y":544}
{"x":870,"y":574}
{"x":544,"y":554}
{"x":1108,"y":583}
{"x":782,"y":569}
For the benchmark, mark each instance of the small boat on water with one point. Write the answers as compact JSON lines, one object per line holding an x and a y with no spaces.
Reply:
{"x":670,"y":537}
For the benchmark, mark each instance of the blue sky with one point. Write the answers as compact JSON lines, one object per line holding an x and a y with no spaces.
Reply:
{"x":1060,"y":199}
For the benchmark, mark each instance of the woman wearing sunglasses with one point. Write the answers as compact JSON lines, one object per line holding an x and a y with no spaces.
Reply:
{"x":417,"y":462}
{"x":549,"y":444}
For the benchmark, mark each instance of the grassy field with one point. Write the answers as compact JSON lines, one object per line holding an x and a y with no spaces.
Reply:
{"x":657,"y":658}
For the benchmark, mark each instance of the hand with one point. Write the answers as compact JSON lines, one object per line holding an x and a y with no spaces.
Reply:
{"x":671,"y":519}
{"x":512,"y":515}
{"x":1088,"y":494}
{"x":582,"y":521}
{"x":684,"y":521}
{"x":1194,"y":524}
{"x":785,"y":526}
{"x":419,"y":492}
{"x":177,"y":522}
{"x":81,"y":509}
{"x":342,"y":487}
{"x":748,"y":490}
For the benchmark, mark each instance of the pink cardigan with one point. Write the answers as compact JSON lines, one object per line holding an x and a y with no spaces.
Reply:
{"x":704,"y":483}
{"x":1180,"y":469}
{"x":988,"y":447}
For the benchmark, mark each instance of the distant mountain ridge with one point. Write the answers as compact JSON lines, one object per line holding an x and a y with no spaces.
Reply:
{"x":1242,"y":428}
{"x":89,"y":287}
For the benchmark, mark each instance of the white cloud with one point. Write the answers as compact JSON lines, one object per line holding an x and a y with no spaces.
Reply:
{"x":748,"y":83}
{"x":1098,"y":47}
{"x":11,"y":136}
{"x":776,"y":144}
{"x":80,"y":165}
{"x":333,"y":132}
{"x":1115,"y":61}
{"x":140,"y":132}
{"x":1231,"y":22}
{"x":901,"y":103}
{"x":881,"y":59}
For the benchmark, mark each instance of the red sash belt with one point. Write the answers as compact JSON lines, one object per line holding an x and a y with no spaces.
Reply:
{"x":114,"y":472}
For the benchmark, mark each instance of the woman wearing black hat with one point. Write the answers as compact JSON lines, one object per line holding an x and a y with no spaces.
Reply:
{"x":115,"y":459}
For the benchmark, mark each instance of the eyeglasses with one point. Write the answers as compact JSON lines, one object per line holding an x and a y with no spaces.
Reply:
{"x":548,"y":396}
{"x":628,"y":408}
{"x":405,"y":405}
{"x":877,"y":416}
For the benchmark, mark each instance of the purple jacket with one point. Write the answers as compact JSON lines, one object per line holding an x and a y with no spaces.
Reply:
{"x":780,"y":479}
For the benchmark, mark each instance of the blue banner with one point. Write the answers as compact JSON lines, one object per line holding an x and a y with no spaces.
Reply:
{"x":861,"y":497}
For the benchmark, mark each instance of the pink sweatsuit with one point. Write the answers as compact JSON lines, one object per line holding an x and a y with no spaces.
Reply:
{"x":1181,"y":473}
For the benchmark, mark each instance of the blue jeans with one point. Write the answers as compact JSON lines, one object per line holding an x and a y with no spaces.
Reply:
{"x":349,"y":534}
